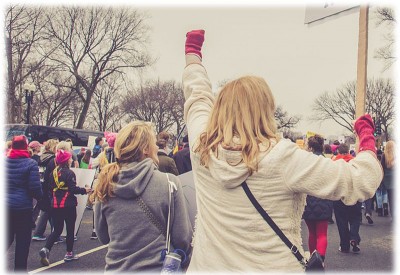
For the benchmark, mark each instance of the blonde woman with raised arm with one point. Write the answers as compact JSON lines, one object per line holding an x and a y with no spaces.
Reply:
{"x":234,"y":139}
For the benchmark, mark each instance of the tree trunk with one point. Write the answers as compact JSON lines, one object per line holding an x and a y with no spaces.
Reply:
{"x":11,"y":108}
{"x":85,"y":109}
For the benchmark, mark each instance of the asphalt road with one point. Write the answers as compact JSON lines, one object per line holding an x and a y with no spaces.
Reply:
{"x":376,"y":251}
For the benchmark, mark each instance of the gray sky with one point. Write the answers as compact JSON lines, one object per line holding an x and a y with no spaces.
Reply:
{"x":298,"y":61}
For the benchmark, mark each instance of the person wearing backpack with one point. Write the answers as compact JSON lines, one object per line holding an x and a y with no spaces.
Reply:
{"x":63,"y":203}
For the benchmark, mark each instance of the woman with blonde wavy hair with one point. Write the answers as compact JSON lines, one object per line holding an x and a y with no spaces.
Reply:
{"x":388,"y":162}
{"x":234,"y":146}
{"x":131,"y":207}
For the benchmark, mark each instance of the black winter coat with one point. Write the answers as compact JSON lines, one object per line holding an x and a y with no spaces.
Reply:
{"x":47,"y":163}
{"x":182,"y":160}
{"x":317,"y":209}
{"x":65,"y":197}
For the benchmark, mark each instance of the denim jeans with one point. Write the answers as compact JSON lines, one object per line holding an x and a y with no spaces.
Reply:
{"x":381,"y":196}
{"x":41,"y":223}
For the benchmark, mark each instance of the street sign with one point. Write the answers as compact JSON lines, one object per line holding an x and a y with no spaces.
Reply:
{"x":331,"y":10}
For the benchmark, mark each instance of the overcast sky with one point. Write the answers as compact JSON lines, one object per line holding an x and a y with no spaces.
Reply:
{"x":298,"y":61}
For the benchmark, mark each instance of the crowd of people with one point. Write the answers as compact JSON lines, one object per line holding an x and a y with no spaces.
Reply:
{"x":234,"y":143}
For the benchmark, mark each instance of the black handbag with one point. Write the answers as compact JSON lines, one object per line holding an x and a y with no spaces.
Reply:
{"x":314,"y":264}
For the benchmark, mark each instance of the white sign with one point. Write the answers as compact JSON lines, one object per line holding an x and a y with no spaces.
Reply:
{"x":321,"y":11}
{"x":91,"y":142}
{"x":84,"y":177}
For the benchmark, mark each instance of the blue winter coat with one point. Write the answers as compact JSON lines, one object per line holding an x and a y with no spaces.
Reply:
{"x":317,"y":209}
{"x":23,"y":183}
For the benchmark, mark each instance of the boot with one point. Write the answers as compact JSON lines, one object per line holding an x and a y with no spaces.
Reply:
{"x":385,"y":210}
{"x":380,"y":212}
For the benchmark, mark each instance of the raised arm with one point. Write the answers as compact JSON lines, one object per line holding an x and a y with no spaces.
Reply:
{"x":196,"y":87}
{"x":350,"y":182}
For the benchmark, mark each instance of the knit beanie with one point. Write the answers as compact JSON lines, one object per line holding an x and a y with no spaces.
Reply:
{"x":62,"y":156}
{"x":19,"y":143}
{"x":34,"y":144}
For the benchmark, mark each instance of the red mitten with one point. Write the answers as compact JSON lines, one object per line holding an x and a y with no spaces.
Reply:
{"x":194,"y":41}
{"x":364,"y":127}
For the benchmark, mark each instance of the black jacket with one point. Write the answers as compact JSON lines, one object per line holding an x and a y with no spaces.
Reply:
{"x":317,"y":209}
{"x":47,"y":164}
{"x":64,"y":196}
{"x":182,"y":160}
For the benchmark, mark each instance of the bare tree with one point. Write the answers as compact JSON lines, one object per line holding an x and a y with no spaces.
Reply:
{"x":284,"y":120}
{"x":54,"y":97}
{"x":381,"y":101}
{"x":385,"y":16}
{"x":158,"y":102}
{"x":95,"y":43}
{"x":24,"y":34}
{"x":339,"y":106}
{"x":107,"y":99}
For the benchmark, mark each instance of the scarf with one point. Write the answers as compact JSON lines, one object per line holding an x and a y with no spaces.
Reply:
{"x":18,"y":154}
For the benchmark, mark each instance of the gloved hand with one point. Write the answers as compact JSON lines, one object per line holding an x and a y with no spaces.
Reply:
{"x":364,"y":127}
{"x":194,"y":41}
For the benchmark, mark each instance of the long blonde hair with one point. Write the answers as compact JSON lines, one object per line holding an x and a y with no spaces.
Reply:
{"x":244,"y":109}
{"x":390,"y":154}
{"x":129,"y":147}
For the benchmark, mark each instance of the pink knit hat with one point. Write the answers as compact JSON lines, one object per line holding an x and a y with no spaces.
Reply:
{"x":62,"y":156}
{"x":34,"y":144}
{"x":110,"y":138}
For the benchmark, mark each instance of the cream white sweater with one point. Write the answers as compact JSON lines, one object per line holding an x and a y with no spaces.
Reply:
{"x":230,"y":235}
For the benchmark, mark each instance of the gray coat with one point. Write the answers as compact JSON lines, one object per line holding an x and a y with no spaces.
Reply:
{"x":135,"y":243}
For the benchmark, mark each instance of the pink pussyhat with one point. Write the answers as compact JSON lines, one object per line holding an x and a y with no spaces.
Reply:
{"x":62,"y":156}
{"x":110,"y":138}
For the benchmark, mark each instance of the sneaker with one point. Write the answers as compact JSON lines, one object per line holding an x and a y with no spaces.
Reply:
{"x":343,"y":250}
{"x":75,"y":238}
{"x":94,"y":236}
{"x":44,"y":256}
{"x":60,"y":240}
{"x":369,"y":219}
{"x":70,"y":256}
{"x":38,"y":238}
{"x":354,"y":244}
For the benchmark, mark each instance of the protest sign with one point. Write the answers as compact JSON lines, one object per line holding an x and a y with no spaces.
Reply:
{"x":84,"y":177}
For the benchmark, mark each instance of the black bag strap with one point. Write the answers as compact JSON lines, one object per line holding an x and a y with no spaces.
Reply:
{"x":273,"y":225}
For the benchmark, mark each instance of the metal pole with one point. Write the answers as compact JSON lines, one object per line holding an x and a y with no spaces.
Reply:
{"x":28,"y":109}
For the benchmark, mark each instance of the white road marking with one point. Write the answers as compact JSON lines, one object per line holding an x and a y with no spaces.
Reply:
{"x":62,"y":261}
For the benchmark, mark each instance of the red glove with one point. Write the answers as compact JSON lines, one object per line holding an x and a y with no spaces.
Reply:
{"x":194,"y":41}
{"x":364,"y":127}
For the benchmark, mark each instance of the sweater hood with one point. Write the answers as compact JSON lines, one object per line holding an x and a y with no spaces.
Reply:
{"x":133,"y":178}
{"x":228,"y":168}
{"x":45,"y":158}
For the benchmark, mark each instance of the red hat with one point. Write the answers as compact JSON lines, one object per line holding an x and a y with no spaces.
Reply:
{"x":62,"y":156}
{"x":34,"y":144}
{"x":19,"y":143}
